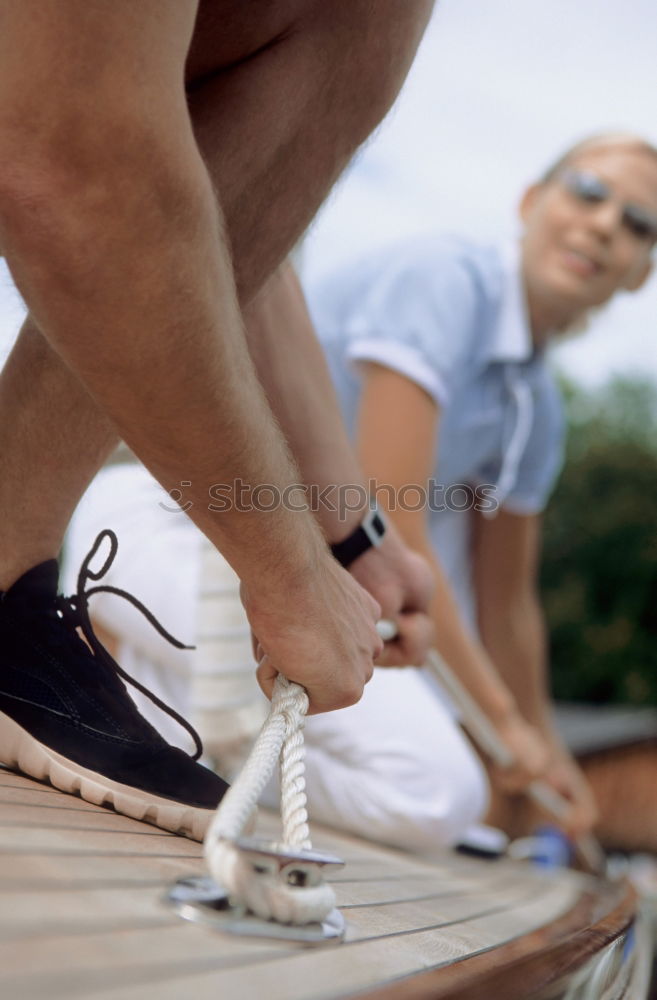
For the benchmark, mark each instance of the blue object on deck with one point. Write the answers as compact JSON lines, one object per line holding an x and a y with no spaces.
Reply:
{"x":552,"y":848}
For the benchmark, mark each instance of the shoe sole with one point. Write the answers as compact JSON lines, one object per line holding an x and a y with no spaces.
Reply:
{"x":20,"y":750}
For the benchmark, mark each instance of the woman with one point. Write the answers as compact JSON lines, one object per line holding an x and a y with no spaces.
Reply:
{"x":437,"y":349}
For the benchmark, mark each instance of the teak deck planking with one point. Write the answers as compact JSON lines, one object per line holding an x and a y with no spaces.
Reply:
{"x":82,"y":915}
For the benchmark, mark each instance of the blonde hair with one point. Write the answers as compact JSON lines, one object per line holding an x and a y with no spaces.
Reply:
{"x":599,"y":141}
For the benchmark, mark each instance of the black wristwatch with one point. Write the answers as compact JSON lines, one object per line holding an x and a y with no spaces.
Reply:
{"x":370,"y":532}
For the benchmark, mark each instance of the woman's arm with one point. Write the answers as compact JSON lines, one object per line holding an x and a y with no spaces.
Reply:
{"x":397,"y":429}
{"x":506,"y":555}
{"x":512,"y":628}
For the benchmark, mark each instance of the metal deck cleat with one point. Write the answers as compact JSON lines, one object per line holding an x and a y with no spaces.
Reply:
{"x":201,"y":900}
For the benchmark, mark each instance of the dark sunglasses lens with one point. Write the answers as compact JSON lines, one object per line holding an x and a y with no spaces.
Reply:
{"x":639,"y":223}
{"x":585,"y":186}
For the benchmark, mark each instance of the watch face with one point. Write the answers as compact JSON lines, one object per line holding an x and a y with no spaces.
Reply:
{"x":374,"y":526}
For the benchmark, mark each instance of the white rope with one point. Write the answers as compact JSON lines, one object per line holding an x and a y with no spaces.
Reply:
{"x":263,"y":887}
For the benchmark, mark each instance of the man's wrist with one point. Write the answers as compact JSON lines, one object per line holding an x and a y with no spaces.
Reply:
{"x":367,"y":534}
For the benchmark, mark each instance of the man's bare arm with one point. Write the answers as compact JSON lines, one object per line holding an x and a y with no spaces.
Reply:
{"x":293,"y":370}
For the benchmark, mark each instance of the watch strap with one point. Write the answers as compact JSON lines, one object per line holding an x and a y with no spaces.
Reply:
{"x":369,"y":533}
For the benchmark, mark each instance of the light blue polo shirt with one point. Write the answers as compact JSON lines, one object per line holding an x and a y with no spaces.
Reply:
{"x":451,"y":316}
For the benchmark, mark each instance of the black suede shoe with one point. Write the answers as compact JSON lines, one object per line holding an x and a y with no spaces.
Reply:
{"x":66,"y":716}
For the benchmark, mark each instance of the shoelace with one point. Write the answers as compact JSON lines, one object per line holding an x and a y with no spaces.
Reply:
{"x":75,"y":612}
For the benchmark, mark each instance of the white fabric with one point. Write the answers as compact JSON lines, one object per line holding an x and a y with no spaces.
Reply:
{"x":510,"y":336}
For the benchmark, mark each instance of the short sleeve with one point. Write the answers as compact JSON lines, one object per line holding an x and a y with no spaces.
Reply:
{"x":417,"y":315}
{"x":542,"y":459}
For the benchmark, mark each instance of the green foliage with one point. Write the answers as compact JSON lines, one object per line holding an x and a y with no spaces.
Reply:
{"x":600,"y":551}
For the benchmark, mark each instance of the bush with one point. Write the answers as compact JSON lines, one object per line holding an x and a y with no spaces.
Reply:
{"x":600,"y":553}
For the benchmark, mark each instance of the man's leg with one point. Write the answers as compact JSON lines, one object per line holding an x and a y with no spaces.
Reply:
{"x":53,"y":438}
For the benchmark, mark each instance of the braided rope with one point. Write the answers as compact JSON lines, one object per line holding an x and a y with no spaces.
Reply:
{"x":265,"y":890}
{"x":293,"y":771}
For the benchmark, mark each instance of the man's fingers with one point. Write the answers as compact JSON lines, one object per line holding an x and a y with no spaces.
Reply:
{"x":334,"y":689}
{"x":411,"y":644}
{"x":266,"y":674}
{"x":377,"y":641}
{"x":421,"y":583}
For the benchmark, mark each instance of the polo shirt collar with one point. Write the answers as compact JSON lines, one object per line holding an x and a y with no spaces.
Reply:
{"x":511,"y":337}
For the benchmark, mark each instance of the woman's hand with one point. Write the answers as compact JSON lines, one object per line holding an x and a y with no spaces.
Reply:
{"x":567,"y":778}
{"x":528,"y":750}
{"x":542,"y":756}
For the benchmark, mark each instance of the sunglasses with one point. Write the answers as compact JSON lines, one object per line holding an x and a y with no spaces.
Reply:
{"x":589,"y":189}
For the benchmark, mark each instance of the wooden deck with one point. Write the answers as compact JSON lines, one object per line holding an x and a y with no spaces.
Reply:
{"x":82,"y":915}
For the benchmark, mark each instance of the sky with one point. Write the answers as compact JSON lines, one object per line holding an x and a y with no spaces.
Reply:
{"x":499,"y":87}
{"x":497,"y":90}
